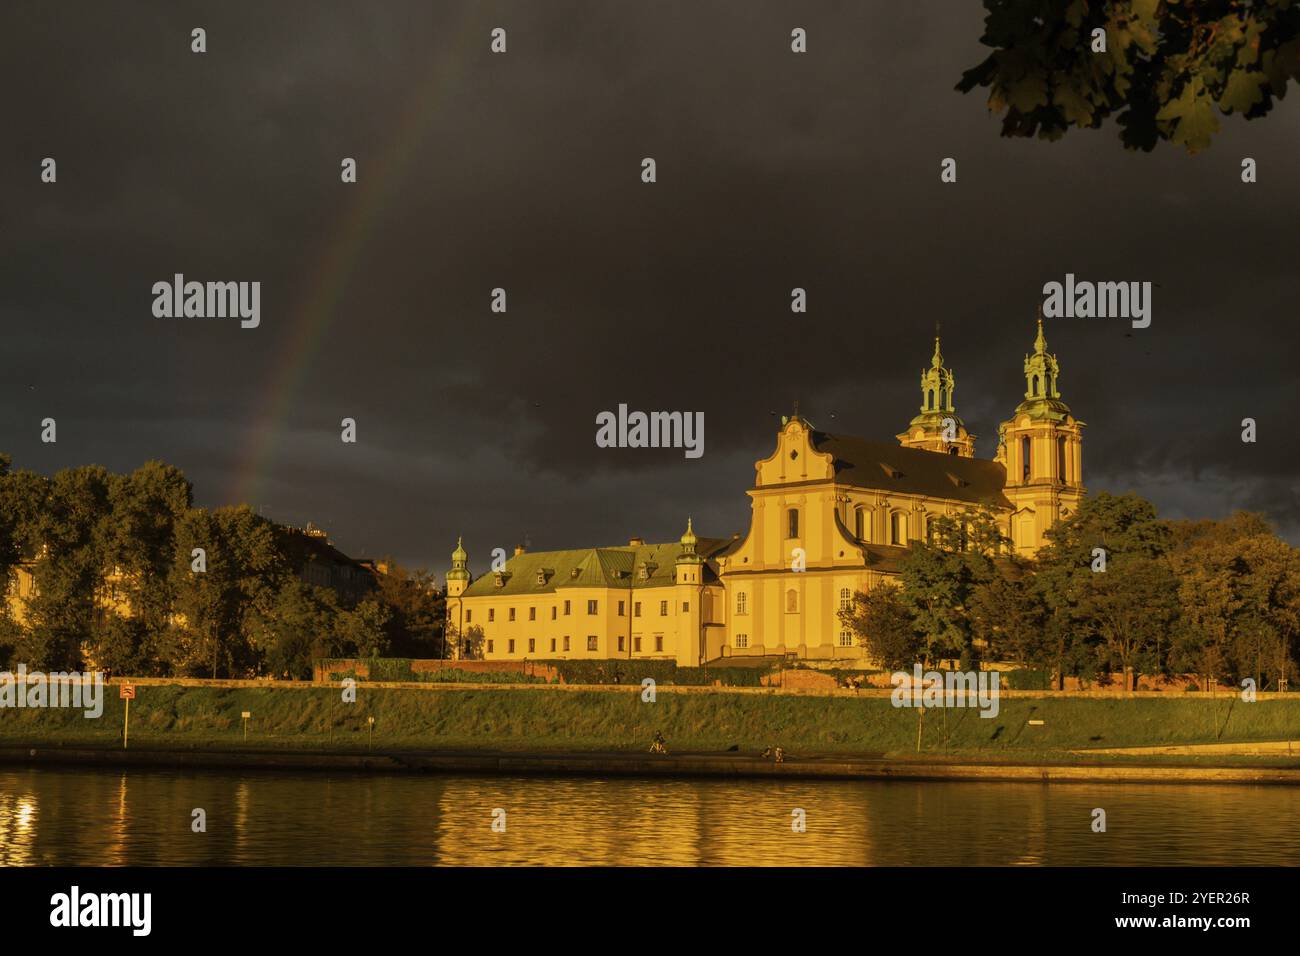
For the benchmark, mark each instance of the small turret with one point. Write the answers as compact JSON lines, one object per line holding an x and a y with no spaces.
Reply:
{"x":458,"y":578}
{"x":938,"y":428}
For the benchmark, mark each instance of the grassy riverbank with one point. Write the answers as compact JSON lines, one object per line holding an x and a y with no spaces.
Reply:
{"x":544,"y":720}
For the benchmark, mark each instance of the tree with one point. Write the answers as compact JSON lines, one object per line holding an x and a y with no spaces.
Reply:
{"x":939,"y":578}
{"x":1132,"y":607}
{"x":221,"y":609}
{"x":1240,"y":590}
{"x":1168,"y":68}
{"x":1009,"y":616}
{"x":1121,"y":526}
{"x":883,"y":624}
{"x":415,"y":610}
{"x":65,"y":612}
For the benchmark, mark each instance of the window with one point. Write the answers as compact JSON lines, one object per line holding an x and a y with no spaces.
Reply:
{"x":686,"y":607}
{"x":930,"y":396}
{"x":943,"y":398}
{"x":860,"y":524}
{"x":510,"y":648}
{"x":1024,"y":458}
{"x":742,"y":603}
{"x":621,"y":607}
{"x":636,"y":608}
{"x":566,"y":608}
{"x":532,"y":614}
{"x":469,"y":616}
{"x":591,"y":607}
{"x":636,"y":643}
{"x":897,"y":530}
{"x":846,"y":638}
{"x":741,"y":640}
{"x":1060,"y":458}
{"x":620,"y":643}
{"x":512,"y":614}
{"x":566,"y":643}
{"x":791,"y":601}
{"x":846,"y":599}
{"x":929,"y":530}
{"x":792,"y":523}
{"x":659,"y":643}
{"x":591,"y":642}
{"x":489,"y":646}
{"x":492,"y":614}
{"x":1035,"y":384}
{"x":532,"y":644}
{"x":552,"y":645}
{"x":663,"y":608}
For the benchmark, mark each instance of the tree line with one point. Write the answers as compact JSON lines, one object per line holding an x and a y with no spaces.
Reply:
{"x":112,"y":559}
{"x":1116,"y":591}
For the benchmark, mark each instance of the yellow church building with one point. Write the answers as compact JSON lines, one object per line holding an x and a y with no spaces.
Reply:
{"x":831,"y":515}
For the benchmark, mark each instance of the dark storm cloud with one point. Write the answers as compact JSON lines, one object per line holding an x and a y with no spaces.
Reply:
{"x":522,"y":171}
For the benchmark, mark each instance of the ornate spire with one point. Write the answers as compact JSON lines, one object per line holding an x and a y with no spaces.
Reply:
{"x":937,"y":427}
{"x":688,"y":542}
{"x":1042,"y":385}
{"x":459,"y":563}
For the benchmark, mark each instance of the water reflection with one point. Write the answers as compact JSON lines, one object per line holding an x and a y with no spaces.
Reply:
{"x":96,"y":817}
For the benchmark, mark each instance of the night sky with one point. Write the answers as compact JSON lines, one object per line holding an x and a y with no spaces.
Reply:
{"x":522,"y":170}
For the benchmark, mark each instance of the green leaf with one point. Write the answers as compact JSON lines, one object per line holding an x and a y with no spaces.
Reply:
{"x":1193,"y":112}
{"x":1243,"y":90}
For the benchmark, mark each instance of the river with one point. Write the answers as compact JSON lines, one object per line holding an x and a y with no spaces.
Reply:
{"x":144,"y":817}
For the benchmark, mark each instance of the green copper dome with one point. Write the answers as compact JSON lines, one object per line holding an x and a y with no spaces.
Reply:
{"x":459,"y":558}
{"x":1042,"y":384}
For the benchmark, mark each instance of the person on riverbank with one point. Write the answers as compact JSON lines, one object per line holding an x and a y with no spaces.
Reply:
{"x":659,"y":745}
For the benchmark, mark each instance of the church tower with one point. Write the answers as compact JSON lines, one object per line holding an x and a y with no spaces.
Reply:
{"x":458,"y":577}
{"x":1042,"y":449}
{"x":689,"y":595}
{"x":938,"y":428}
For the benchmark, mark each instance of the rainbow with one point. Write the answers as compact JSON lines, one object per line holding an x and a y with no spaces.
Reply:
{"x":378,"y":181}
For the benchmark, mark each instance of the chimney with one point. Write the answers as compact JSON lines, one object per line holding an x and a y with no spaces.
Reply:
{"x":519,"y":549}
{"x":635,"y":541}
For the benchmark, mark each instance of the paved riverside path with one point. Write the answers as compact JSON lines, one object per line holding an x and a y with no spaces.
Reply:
{"x":862,"y":766}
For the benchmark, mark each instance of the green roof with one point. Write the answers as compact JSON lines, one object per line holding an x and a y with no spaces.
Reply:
{"x":617,"y":567}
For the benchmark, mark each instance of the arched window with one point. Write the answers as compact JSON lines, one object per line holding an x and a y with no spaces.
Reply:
{"x":1060,"y":459}
{"x":846,"y":599}
{"x":791,"y":601}
{"x":1035,"y":384}
{"x":929,"y":530}
{"x":931,"y":397}
{"x":943,"y":398}
{"x":860,"y":524}
{"x":792,"y":522}
{"x":742,"y":603}
{"x":1024,"y":458}
{"x":897,"y":530}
